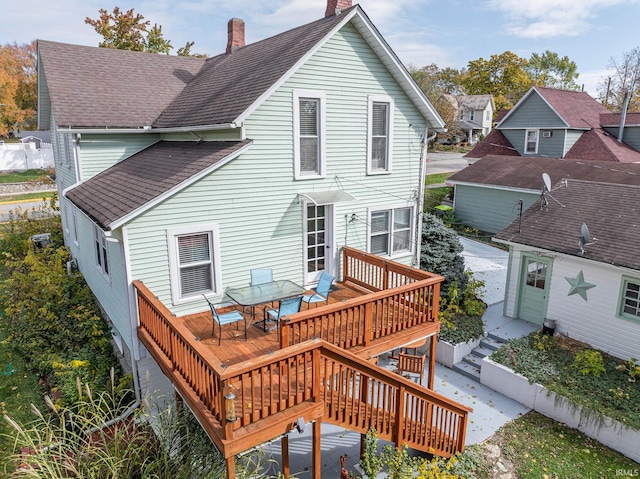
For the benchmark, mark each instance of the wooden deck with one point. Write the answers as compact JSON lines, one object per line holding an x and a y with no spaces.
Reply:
{"x":233,"y":348}
{"x":319,"y":367}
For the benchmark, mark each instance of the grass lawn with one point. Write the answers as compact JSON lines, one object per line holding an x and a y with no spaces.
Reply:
{"x":27,"y":197}
{"x":436,"y":178}
{"x":22,"y":176}
{"x":17,"y":392}
{"x":543,"y":448}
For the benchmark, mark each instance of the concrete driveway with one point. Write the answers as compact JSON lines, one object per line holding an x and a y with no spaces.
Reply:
{"x":445,"y":162}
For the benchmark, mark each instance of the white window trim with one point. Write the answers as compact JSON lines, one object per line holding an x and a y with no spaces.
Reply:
{"x":621,"y":314}
{"x":526,"y":141}
{"x":371,"y":99}
{"x":472,"y":115}
{"x":100,"y":237}
{"x":174,"y":275}
{"x":316,"y":95}
{"x":391,"y":208}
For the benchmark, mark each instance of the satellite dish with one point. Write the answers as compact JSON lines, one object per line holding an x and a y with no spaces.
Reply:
{"x":584,"y":233}
{"x":584,"y":238}
{"x":547,"y":181}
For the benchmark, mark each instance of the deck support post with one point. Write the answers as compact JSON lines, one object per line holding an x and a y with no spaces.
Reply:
{"x":284,"y":445}
{"x":432,"y":361}
{"x":316,"y":457}
{"x":231,"y":467}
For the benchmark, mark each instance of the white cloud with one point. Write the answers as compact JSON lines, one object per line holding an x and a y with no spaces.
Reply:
{"x":551,"y":18}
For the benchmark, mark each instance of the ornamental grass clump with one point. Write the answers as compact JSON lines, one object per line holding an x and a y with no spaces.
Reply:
{"x":105,"y":436}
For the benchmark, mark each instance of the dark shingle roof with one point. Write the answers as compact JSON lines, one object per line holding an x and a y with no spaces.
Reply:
{"x":599,"y":145}
{"x":526,"y":173}
{"x":229,"y":84}
{"x":577,"y":109}
{"x":495,"y":143}
{"x":101,"y":87}
{"x":610,"y":211}
{"x":613,"y":119}
{"x":474,"y":102}
{"x":133,"y":183}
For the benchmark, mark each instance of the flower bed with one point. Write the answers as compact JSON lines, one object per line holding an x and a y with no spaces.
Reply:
{"x":544,"y":374}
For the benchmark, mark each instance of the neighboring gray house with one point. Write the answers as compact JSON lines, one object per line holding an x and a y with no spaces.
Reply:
{"x":591,"y":289}
{"x":474,"y":115}
{"x":562,"y":124}
{"x":493,"y":191}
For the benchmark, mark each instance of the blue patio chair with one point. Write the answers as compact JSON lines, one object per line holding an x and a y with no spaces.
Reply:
{"x":287,"y":306}
{"x":225,"y":318}
{"x":322,"y":290}
{"x":261,"y":276}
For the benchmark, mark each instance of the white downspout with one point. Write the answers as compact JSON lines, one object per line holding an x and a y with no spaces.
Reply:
{"x":420,"y":199}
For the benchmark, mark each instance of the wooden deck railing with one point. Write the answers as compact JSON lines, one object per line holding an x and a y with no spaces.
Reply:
{"x":354,"y":392}
{"x":359,"y":396}
{"x":377,"y":274}
{"x":401,"y":297}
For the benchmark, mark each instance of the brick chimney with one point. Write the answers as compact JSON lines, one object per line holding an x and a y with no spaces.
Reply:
{"x":336,"y":6}
{"x":235,"y":34}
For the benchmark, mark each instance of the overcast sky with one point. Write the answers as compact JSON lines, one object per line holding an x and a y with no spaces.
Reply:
{"x":449,"y":33}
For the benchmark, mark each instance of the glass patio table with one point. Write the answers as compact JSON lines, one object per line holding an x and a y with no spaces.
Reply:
{"x":252,"y":296}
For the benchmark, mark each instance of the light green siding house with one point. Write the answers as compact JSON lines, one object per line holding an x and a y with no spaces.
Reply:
{"x":185,"y":173}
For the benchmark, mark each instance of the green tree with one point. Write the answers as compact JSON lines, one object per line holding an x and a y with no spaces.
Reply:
{"x":550,"y":70}
{"x":504,"y":76}
{"x":440,"y":253}
{"x":436,"y":84}
{"x":18,"y":86}
{"x":130,"y":31}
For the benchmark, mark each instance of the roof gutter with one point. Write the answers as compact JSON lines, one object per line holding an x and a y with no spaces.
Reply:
{"x":148,"y":129}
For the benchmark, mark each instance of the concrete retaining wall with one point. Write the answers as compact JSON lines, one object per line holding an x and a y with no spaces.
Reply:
{"x":535,"y":396}
{"x":449,"y":354}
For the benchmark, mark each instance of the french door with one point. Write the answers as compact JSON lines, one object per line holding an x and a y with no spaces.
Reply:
{"x":318,"y":241}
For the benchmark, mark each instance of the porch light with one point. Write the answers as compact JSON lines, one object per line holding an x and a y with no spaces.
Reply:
{"x":230,"y":406}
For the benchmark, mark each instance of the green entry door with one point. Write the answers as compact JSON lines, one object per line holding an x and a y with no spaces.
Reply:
{"x":534,"y":288}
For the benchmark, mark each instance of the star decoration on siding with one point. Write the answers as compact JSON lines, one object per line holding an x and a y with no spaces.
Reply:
{"x":579,"y":286}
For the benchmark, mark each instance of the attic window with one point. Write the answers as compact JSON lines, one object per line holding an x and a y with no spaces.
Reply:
{"x":531,"y":141}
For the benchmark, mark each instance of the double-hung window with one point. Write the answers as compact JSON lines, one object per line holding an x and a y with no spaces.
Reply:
{"x":194,"y":262}
{"x":380,"y":138}
{"x":629,"y":307}
{"x":309,"y":133}
{"x":101,"y":250}
{"x":531,"y":141}
{"x":390,"y":231}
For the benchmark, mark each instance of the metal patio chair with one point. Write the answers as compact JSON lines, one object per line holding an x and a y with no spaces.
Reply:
{"x":225,"y":318}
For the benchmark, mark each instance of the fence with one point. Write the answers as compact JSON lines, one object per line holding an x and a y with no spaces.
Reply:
{"x":22,"y":156}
